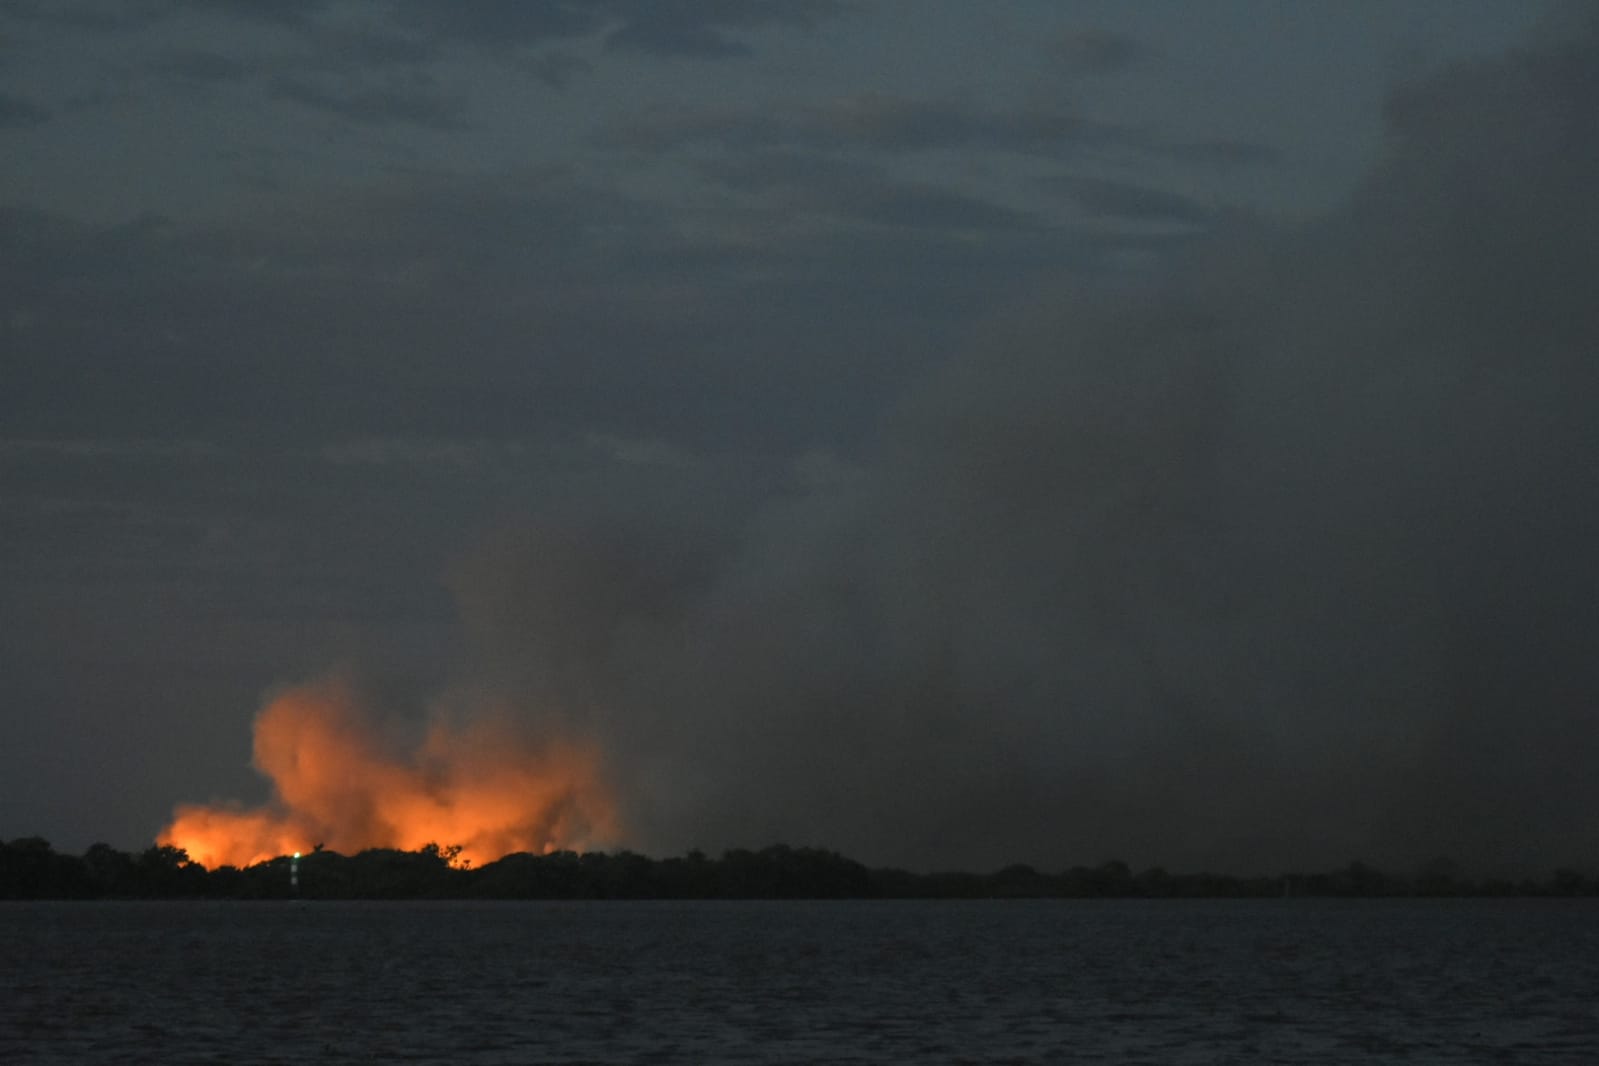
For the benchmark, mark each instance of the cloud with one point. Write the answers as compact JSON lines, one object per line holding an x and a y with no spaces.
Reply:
{"x":346,"y":46}
{"x":1132,"y":202}
{"x":110,"y":448}
{"x":1222,"y":152}
{"x":204,"y":66}
{"x":103,"y":16}
{"x":374,"y":65}
{"x":416,"y":101}
{"x":110,"y":16}
{"x":693,"y":29}
{"x":292,"y":13}
{"x":497,"y":23}
{"x":789,"y":182}
{"x":702,"y":28}
{"x":304,"y":53}
{"x":900,"y":125}
{"x":872,"y":120}
{"x":534,"y":304}
{"x":557,"y":69}
{"x":418,"y":453}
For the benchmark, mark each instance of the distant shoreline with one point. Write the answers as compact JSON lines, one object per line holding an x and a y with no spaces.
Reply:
{"x":31,"y":869}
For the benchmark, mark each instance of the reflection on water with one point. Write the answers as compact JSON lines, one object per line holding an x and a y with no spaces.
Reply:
{"x":1129,"y":981}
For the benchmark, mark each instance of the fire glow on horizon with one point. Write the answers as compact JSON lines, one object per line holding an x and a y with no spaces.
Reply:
{"x":480,"y":786}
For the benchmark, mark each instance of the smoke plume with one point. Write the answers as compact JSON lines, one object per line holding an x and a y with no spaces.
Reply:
{"x":1292,"y":561}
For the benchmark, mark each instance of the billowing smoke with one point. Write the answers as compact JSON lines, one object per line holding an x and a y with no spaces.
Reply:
{"x":338,"y":781}
{"x":1289,"y":563}
{"x":1292,"y":561}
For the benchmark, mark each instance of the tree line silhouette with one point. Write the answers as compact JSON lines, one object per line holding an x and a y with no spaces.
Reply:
{"x":31,"y":869}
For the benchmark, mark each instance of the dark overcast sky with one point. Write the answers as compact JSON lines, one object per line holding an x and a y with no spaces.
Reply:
{"x":952,"y":433}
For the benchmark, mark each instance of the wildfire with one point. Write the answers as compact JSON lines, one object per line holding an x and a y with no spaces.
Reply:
{"x":335,"y":782}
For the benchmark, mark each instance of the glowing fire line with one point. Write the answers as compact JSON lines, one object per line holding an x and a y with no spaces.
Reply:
{"x":480,"y":786}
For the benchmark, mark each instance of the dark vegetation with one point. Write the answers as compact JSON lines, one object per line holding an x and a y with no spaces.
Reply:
{"x":31,"y":869}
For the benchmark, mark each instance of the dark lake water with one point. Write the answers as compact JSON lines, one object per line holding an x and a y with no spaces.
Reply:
{"x":1292,"y":981}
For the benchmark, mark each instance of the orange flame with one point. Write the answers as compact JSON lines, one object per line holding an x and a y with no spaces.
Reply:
{"x":478,"y":786}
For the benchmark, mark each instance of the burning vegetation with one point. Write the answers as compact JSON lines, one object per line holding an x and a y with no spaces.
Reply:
{"x":31,"y":869}
{"x":336,"y":781}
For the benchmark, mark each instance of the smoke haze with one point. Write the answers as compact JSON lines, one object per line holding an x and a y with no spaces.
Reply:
{"x":1164,"y":435}
{"x":1290,"y":563}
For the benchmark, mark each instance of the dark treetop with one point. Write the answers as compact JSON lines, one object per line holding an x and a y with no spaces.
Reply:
{"x":31,"y":869}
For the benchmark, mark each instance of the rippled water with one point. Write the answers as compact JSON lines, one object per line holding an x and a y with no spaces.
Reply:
{"x":1288,"y":981}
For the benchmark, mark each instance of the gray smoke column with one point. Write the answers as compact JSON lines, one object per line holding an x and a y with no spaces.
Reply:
{"x":1289,"y":563}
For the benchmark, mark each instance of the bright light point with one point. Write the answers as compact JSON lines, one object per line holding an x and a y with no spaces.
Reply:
{"x":297,"y":855}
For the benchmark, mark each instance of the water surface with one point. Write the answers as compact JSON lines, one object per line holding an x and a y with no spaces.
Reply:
{"x":1141,"y":981}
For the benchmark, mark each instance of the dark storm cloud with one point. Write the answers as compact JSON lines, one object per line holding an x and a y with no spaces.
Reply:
{"x":1289,"y":564}
{"x":1130,"y":201}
